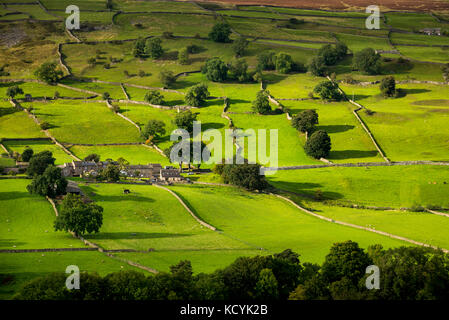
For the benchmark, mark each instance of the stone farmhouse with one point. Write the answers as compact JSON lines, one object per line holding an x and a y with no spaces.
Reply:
{"x":431,"y":31}
{"x":153,"y":171}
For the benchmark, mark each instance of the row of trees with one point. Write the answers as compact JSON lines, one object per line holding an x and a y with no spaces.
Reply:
{"x":318,"y":144}
{"x":281,"y":62}
{"x":406,"y":273}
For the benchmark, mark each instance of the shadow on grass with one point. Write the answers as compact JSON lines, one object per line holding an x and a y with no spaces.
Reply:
{"x":12,"y":195}
{"x":9,"y":243}
{"x":351,"y":154}
{"x":336,"y":128}
{"x":134,"y":235}
{"x":306,"y":189}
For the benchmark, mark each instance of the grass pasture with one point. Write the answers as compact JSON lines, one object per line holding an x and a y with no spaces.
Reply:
{"x":420,"y":226}
{"x":150,"y":217}
{"x":38,"y":146}
{"x":135,"y":154}
{"x":416,"y":122}
{"x":391,"y":186}
{"x":27,"y":220}
{"x":17,"y":124}
{"x":94,"y":123}
{"x":268,"y":222}
{"x":15,"y":267}
{"x":350,"y":143}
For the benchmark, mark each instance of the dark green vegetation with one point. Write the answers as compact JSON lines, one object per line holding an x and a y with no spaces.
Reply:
{"x":163,"y":65}
{"x":408,"y":274}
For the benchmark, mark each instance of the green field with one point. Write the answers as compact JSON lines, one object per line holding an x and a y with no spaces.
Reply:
{"x":416,"y":122}
{"x":17,"y":124}
{"x":27,"y":220}
{"x":150,"y":220}
{"x":406,"y":185}
{"x":135,"y":154}
{"x":94,"y":123}
{"x":16,"y":271}
{"x":270,"y":223}
{"x":38,"y":146}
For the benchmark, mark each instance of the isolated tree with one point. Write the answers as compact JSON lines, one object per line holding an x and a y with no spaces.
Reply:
{"x":244,"y":175}
{"x":261,"y":105}
{"x":305,"y":121}
{"x":13,"y":91}
{"x":183,"y":56}
{"x":154,"y":97}
{"x":317,"y":66}
{"x":79,"y":217}
{"x":266,"y":60}
{"x":167,"y":78}
{"x":284,"y":63}
{"x":239,"y":70}
{"x":92,"y":157}
{"x":49,"y":184}
{"x":39,"y":162}
{"x":327,"y":90}
{"x":91,"y":61}
{"x":27,"y":154}
{"x":239,"y":46}
{"x":196,"y":95}
{"x":388,"y":86}
{"x":45,"y":125}
{"x":184,"y":120}
{"x":106,"y":96}
{"x":318,"y":145}
{"x":367,"y":61}
{"x":329,"y":54}
{"x":153,"y":128}
{"x":220,"y":32}
{"x":215,"y":69}
{"x":153,"y":48}
{"x":139,"y":48}
{"x":48,"y":73}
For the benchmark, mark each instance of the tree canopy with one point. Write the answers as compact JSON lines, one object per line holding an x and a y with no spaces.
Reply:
{"x":50,"y":183}
{"x":39,"y":162}
{"x":154,"y":97}
{"x":220,"y":32}
{"x":215,"y":69}
{"x":318,"y":145}
{"x":305,"y":121}
{"x":184,"y":120}
{"x":48,"y":73}
{"x":77,"y":216}
{"x":327,"y":90}
{"x":261,"y":105}
{"x":367,"y":61}
{"x":153,"y":128}
{"x":196,"y":96}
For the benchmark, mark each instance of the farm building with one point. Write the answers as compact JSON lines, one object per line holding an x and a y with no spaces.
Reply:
{"x":169,"y":175}
{"x":431,"y":31}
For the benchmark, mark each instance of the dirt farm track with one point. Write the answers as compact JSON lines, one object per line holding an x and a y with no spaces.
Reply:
{"x":405,"y":5}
